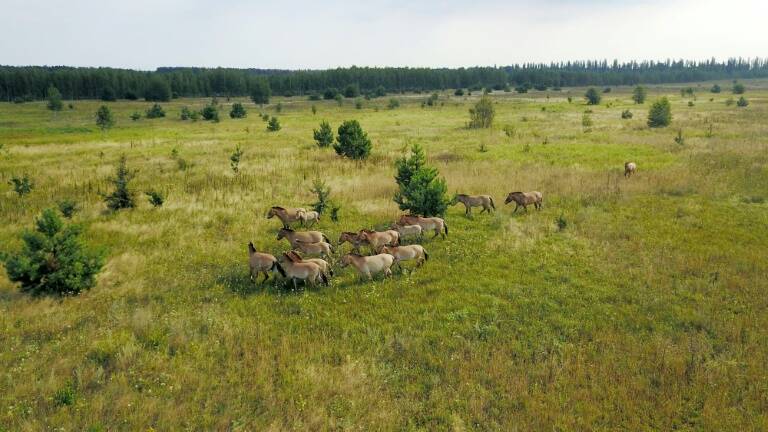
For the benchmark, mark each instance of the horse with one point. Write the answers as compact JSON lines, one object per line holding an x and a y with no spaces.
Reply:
{"x":435,"y":224}
{"x":377,"y":239}
{"x":313,"y":248}
{"x":525,"y":199}
{"x":309,"y":216}
{"x":629,"y":168}
{"x":306,"y":271}
{"x":406,"y":253}
{"x":260,"y":262}
{"x":369,"y":265}
{"x":353,"y":238}
{"x":286,"y":216}
{"x":469,"y":201}
{"x":324,"y":266}
{"x":408,"y":230}
{"x":305,"y":236}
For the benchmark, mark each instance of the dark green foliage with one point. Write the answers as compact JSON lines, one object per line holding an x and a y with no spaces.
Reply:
{"x":690,"y":103}
{"x":523,"y":88}
{"x":380,"y":91}
{"x":638,"y":94}
{"x":593,"y":96}
{"x":65,"y":396}
{"x":265,"y":117}
{"x":393,"y":103}
{"x":156,"y":111}
{"x":314,"y":110}
{"x":742,"y":102}
{"x":607,"y":90}
{"x":122,"y":197}
{"x":136,"y":116}
{"x":314,"y":97}
{"x":108,"y":94}
{"x":339,"y":98}
{"x":210,"y":112}
{"x":234,"y":159}
{"x":562,"y":223}
{"x":679,"y":139}
{"x":279,"y":107}
{"x":260,"y":91}
{"x":729,"y":101}
{"x":420,"y":190}
{"x":104,"y":118}
{"x":715,"y":89}
{"x":330,"y":93}
{"x":358,"y":104}
{"x":626,"y":114}
{"x":352,"y":141}
{"x":458,"y":92}
{"x":155,"y":198}
{"x":660,"y":114}
{"x":22,"y":185}
{"x":324,"y":135}
{"x":432,"y":99}
{"x":540,"y":87}
{"x":273,"y":125}
{"x":237,"y":111}
{"x":185,"y":113}
{"x":54,"y":99}
{"x":323,"y":193}
{"x":481,"y":116}
{"x":53,"y":259}
{"x":131,"y":95}
{"x":158,"y":90}
{"x":68,"y":208}
{"x":686,"y":91}
{"x":351,"y":91}
{"x":738,"y":88}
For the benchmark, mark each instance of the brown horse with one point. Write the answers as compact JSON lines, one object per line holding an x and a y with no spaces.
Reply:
{"x":301,"y":270}
{"x":525,"y":199}
{"x":377,"y":239}
{"x":469,"y":201}
{"x":353,"y":238}
{"x":324,"y":266}
{"x":305,"y":236}
{"x":286,"y":216}
{"x":369,"y":265}
{"x":435,"y":224}
{"x":629,"y":168}
{"x":260,"y":262}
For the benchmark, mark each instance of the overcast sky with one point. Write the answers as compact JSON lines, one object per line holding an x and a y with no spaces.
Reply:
{"x":314,"y":34}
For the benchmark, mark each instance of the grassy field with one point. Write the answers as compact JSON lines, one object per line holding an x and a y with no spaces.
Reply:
{"x":646,"y":312}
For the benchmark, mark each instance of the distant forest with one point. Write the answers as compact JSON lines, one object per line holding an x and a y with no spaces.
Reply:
{"x":29,"y":83}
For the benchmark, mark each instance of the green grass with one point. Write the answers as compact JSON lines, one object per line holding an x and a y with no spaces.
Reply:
{"x":646,"y":312}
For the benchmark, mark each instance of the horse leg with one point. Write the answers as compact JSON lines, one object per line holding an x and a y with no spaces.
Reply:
{"x":295,"y":287}
{"x":516,"y":206}
{"x":266,"y":276}
{"x":437,"y":232}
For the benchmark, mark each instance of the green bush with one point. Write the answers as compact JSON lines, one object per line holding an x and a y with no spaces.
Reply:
{"x":660,"y":114}
{"x":104,"y":119}
{"x":211,"y":112}
{"x":393,"y":103}
{"x":481,"y":116}
{"x":237,"y":111}
{"x":158,"y":90}
{"x":235,"y":158}
{"x":420,"y":190}
{"x":351,"y":91}
{"x":54,"y":99}
{"x":108,"y":94}
{"x":458,"y":92}
{"x":68,"y":208}
{"x":22,"y":185}
{"x":738,"y":88}
{"x":273,"y":125}
{"x":155,"y":198}
{"x":352,"y":141}
{"x":185,"y":113}
{"x":742,"y":102}
{"x":156,"y":111}
{"x":626,"y":114}
{"x":638,"y":95}
{"x":715,"y":89}
{"x":53,"y":259}
{"x":330,"y":93}
{"x":122,"y":197}
{"x":136,"y":116}
{"x":593,"y":96}
{"x":260,"y":91}
{"x":324,"y":135}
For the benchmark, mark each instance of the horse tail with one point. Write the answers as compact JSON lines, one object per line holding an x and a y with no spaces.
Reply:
{"x":324,"y":278}
{"x":492,"y":204}
{"x":326,"y":239}
{"x":445,"y":227}
{"x":276,"y":266}
{"x":251,"y":249}
{"x":426,"y":255}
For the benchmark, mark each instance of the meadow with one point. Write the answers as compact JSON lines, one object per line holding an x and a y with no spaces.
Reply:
{"x":625,"y":304}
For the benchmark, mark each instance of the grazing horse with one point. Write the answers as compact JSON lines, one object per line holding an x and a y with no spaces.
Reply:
{"x":260,"y":262}
{"x":525,"y":199}
{"x":305,"y":236}
{"x":435,"y":224}
{"x":313,"y":248}
{"x":408,"y":230}
{"x":377,"y":239}
{"x":353,"y":238}
{"x":286,"y":216}
{"x":469,"y":201}
{"x":369,"y":265}
{"x":406,"y":253}
{"x":324,"y":266}
{"x":306,"y":271}
{"x":309,"y":216}
{"x":629,"y":168}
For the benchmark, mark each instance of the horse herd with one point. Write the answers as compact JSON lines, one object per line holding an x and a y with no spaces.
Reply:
{"x":387,"y":249}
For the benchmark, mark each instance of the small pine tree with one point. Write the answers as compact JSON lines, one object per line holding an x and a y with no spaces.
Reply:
{"x":273,"y":125}
{"x":593,"y":96}
{"x":660,"y":114}
{"x":626,"y":114}
{"x":420,"y":190}
{"x":156,"y":111}
{"x":323,"y":194}
{"x":158,"y":90}
{"x":393,"y":103}
{"x":54,"y":99}
{"x":352,"y":141}
{"x":638,"y":95}
{"x":104,"y":118}
{"x":237,"y":111}
{"x":715,"y":89}
{"x":260,"y":91}
{"x":314,"y":109}
{"x":136,"y":116}
{"x":210,"y":112}
{"x":481,"y":116}
{"x":108,"y":94}
{"x":352,"y":91}
{"x":324,"y":135}
{"x":22,"y":185}
{"x":742,"y":102}
{"x":155,"y":198}
{"x":122,"y":197}
{"x":234,"y":159}
{"x":68,"y":208}
{"x":54,"y":259}
{"x":738,"y":88}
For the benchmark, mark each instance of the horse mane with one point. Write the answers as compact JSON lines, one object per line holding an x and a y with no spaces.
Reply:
{"x":461,"y":195}
{"x":251,"y":249}
{"x":515,"y":193}
{"x":295,"y":257}
{"x":349,"y":233}
{"x":277,"y":208}
{"x":286,"y":229}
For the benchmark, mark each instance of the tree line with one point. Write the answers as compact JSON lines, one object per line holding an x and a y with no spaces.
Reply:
{"x":24,"y":83}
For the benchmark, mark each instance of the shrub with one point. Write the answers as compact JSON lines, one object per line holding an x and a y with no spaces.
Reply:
{"x":156,"y":111}
{"x":108,"y":94}
{"x":626,"y":114}
{"x":323,"y":193}
{"x":586,"y":121}
{"x":351,"y":91}
{"x":570,"y":99}
{"x":481,"y":116}
{"x":742,"y":102}
{"x":715,"y":89}
{"x":638,"y":95}
{"x":679,"y":139}
{"x":122,"y":197}
{"x":330,"y":93}
{"x":393,"y":103}
{"x":352,"y":141}
{"x":314,"y":97}
{"x":211,"y":112}
{"x":155,"y":198}
{"x":458,"y":92}
{"x":314,"y":110}
{"x":729,"y":102}
{"x":660,"y":114}
{"x":339,"y":98}
{"x":68,"y":208}
{"x":279,"y":107}
{"x":185,"y":113}
{"x":593,"y":96}
{"x":104,"y":118}
{"x":54,"y":99}
{"x":158,"y":90}
{"x":136,"y":116}
{"x":265,"y":117}
{"x":523,"y":88}
{"x":738,"y":88}
{"x":358,"y":104}
{"x":687,"y":91}
{"x":690,"y":103}
{"x":260,"y":91}
{"x":53,"y":259}
{"x":235,"y":157}
{"x":607,"y":90}
{"x":562,"y":223}
{"x":237,"y":111}
{"x":380,"y":91}
{"x":432,"y":99}
{"x":324,"y":135}
{"x":131,"y":95}
{"x":273,"y":125}
{"x":540,"y":87}
{"x":22,"y":185}
{"x":420,"y":190}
